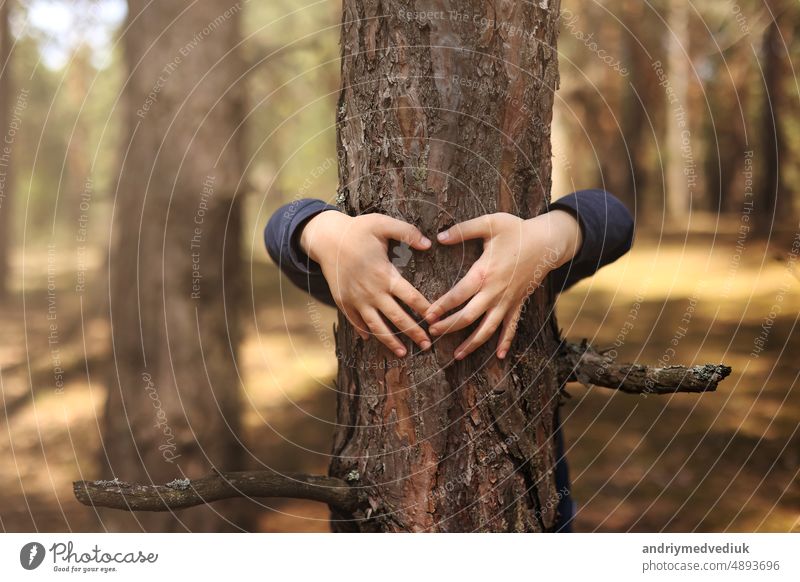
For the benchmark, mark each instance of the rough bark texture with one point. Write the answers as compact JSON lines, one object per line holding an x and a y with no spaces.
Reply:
{"x":173,"y":404}
{"x":442,"y":119}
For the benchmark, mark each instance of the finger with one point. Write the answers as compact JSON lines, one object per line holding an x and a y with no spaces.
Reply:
{"x":357,"y":321}
{"x":404,"y":322}
{"x":476,"y":307}
{"x":409,"y":295}
{"x":381,"y":331}
{"x":398,"y":230}
{"x":510,"y":323}
{"x":469,"y":229}
{"x":482,"y":333}
{"x":458,"y":295}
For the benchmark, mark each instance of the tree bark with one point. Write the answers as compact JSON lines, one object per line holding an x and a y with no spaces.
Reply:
{"x":173,"y":403}
{"x":442,"y":119}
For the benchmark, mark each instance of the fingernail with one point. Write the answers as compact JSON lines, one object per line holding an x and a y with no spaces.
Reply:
{"x":458,"y":355}
{"x":425,"y":242}
{"x":431,"y":317}
{"x":501,"y":354}
{"x":443,"y":236}
{"x":400,"y":352}
{"x":434,"y":330}
{"x":425,"y":345}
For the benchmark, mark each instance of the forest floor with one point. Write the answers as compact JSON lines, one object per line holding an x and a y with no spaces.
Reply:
{"x":724,"y":461}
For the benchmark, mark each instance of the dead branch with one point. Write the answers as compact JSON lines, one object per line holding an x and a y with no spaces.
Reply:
{"x":582,"y":363}
{"x":183,"y":493}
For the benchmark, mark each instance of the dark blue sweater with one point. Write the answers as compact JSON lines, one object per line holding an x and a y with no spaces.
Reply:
{"x":606,"y":224}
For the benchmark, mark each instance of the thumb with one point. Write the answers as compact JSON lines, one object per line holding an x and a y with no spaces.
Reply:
{"x":402,"y":231}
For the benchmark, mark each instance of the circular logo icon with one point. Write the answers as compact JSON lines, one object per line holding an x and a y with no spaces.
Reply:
{"x":31,"y":555}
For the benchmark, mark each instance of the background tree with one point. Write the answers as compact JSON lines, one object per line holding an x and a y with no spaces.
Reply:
{"x":641,"y":116}
{"x":775,"y":207}
{"x":6,"y":173}
{"x":678,"y":130}
{"x":173,"y":403}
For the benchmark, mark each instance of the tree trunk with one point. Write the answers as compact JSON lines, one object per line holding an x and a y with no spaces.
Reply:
{"x":442,"y":119}
{"x":173,"y":403}
{"x":725,"y":138}
{"x":6,"y":174}
{"x":639,"y":111}
{"x":775,"y":206}
{"x":679,"y":193}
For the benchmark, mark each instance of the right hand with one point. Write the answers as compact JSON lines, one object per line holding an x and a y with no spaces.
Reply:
{"x":353,"y":255}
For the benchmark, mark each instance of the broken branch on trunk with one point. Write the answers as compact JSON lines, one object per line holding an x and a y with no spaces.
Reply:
{"x":582,"y":363}
{"x":183,"y":493}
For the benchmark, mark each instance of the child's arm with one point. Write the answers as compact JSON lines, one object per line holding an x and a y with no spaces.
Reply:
{"x":580,"y":234}
{"x":283,"y":245}
{"x":607,"y":229}
{"x":603,"y":226}
{"x":344,"y":260}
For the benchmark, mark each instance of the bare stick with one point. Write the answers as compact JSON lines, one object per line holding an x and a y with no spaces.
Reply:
{"x":582,"y":363}
{"x":182,"y":493}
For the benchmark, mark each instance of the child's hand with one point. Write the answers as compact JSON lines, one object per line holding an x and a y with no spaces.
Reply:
{"x":517,"y":255}
{"x":353,"y":254}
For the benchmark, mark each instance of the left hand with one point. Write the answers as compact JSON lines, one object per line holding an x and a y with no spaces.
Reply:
{"x":517,"y":255}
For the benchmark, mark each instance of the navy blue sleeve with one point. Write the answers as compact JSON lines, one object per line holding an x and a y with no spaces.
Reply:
{"x":606,"y":224}
{"x":607,"y":229}
{"x":282,"y":239}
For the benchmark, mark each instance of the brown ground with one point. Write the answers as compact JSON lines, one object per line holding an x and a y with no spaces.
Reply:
{"x":726,"y":461}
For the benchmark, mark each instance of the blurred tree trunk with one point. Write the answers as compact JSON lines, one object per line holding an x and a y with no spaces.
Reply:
{"x":642,"y":93}
{"x":173,"y":404}
{"x":77,"y":176}
{"x":775,"y":205}
{"x":725,"y":132}
{"x":439,"y":121}
{"x":6,"y":173}
{"x":596,"y":101}
{"x":678,"y":196}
